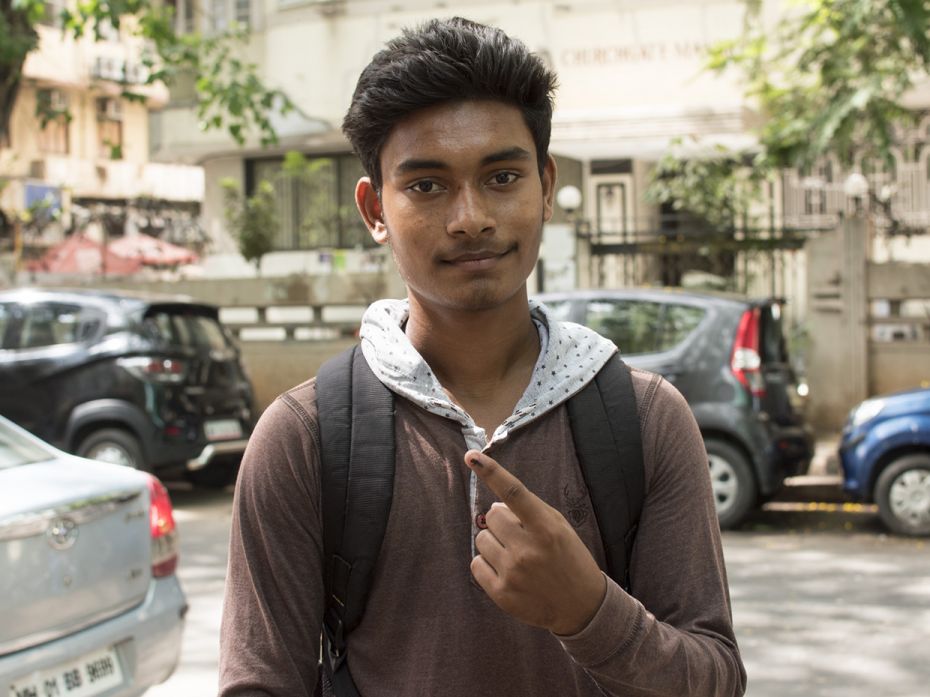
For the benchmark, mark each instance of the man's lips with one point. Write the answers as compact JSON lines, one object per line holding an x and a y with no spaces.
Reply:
{"x":476,"y":258}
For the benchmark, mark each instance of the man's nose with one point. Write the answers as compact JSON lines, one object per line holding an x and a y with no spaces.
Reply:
{"x":469,"y":214}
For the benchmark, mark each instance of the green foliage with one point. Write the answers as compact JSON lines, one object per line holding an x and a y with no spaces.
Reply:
{"x":253,"y":219}
{"x":230,"y":92}
{"x":830,"y":78}
{"x":717,"y":189}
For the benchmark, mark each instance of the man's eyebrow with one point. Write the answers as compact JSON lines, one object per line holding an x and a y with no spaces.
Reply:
{"x":415,"y":165}
{"x":408,"y":166}
{"x":514,"y":153}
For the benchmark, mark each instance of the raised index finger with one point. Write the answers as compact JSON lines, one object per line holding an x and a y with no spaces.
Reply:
{"x":526,"y":505}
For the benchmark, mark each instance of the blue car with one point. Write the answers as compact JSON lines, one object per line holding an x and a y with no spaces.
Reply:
{"x":885,"y":453}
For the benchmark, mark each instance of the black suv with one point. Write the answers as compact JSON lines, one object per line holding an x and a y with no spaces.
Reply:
{"x":727,"y":356}
{"x":149,"y":382}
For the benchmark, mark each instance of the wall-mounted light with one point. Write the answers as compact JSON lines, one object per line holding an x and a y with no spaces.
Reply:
{"x":568,"y":198}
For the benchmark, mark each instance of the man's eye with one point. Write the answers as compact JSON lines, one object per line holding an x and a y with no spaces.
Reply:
{"x":504,"y":178}
{"x":425,"y":187}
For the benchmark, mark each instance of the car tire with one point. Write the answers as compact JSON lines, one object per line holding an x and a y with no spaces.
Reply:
{"x":902,"y":493}
{"x":113,"y":445}
{"x":735,"y":490}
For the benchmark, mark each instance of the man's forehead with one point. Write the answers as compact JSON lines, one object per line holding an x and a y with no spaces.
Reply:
{"x":483,"y":130}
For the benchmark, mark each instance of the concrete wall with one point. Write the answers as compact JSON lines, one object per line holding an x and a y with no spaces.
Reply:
{"x":852,"y":355}
{"x":276,"y":366}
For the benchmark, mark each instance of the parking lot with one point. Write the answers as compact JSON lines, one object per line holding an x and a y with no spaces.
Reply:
{"x":825,"y":602}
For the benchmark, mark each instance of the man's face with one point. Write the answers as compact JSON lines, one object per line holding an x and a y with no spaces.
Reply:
{"x":462,"y":204}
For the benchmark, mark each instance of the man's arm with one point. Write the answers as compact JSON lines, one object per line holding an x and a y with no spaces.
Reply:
{"x":675,"y":637}
{"x":272,"y":612}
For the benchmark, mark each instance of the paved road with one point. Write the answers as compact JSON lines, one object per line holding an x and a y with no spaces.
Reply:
{"x":825,"y":603}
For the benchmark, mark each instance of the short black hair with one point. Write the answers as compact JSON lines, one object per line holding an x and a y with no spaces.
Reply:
{"x":444,"y":61}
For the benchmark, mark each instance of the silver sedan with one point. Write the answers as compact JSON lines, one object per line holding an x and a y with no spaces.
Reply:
{"x":89,"y":600}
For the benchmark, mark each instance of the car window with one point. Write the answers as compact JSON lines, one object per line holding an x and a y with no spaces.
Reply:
{"x":190,"y":331}
{"x":638,"y":326}
{"x":6,"y":320}
{"x":633,"y":325}
{"x":16,"y":450}
{"x":51,"y":324}
{"x":559,"y":309}
{"x":679,"y":322}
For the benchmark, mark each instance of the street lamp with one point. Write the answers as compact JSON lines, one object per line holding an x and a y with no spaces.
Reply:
{"x":856,"y":187}
{"x":569,"y":199}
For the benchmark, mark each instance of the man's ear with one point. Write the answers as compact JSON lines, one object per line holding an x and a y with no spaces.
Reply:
{"x":550,"y":171}
{"x":369,"y":205}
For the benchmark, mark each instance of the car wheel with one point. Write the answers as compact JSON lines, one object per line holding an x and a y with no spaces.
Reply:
{"x":902,"y":493}
{"x":112,"y":445}
{"x":734,"y":485}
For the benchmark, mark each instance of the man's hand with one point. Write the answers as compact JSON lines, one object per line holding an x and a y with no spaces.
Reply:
{"x":531,"y":562}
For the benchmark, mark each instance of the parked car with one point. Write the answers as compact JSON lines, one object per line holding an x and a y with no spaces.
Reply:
{"x":150,"y":382}
{"x":885,"y":455}
{"x":89,"y":600}
{"x":727,"y":355}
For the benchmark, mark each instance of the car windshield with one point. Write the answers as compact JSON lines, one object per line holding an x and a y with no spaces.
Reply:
{"x":16,"y":449}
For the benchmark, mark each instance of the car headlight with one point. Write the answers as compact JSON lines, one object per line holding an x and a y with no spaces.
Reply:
{"x":867,"y":411}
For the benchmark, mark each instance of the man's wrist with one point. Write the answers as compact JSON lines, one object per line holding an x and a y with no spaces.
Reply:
{"x":576,"y":624}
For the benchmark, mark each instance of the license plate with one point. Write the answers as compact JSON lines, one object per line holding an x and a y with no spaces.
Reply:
{"x":222,"y":429}
{"x":86,"y":676}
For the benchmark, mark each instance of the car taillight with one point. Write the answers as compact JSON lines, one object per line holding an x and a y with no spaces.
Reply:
{"x":155,"y":368}
{"x":745,"y":362}
{"x":162,"y":529}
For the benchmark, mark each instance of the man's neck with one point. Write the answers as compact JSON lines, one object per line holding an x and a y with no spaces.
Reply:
{"x":484,"y":360}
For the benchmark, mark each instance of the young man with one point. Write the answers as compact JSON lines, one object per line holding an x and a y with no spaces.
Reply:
{"x":489,"y":579}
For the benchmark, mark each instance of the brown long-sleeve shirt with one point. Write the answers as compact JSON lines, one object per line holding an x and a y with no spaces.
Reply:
{"x":428,"y":627}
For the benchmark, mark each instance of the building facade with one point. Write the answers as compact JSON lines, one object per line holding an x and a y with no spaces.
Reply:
{"x":632,"y":79}
{"x":78,"y":154}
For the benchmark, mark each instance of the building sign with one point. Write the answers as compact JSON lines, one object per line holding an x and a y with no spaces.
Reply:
{"x":633,"y":54}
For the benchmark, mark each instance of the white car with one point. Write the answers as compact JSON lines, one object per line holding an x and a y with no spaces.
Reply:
{"x":89,"y":600}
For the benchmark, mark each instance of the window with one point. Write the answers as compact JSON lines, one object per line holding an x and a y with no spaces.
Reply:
{"x":316,"y":210}
{"x":678,"y":323}
{"x":6,"y":322}
{"x":51,"y":16}
{"x":560,"y":310}
{"x":632,"y":325}
{"x":184,"y":15}
{"x":643,"y":327}
{"x":51,"y":324}
{"x":219,"y":16}
{"x":109,"y":128}
{"x":187,"y":330}
{"x":52,"y":110}
{"x":243,"y":10}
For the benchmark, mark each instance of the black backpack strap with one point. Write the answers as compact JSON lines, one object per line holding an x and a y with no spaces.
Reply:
{"x":356,"y":419}
{"x":606,"y":432}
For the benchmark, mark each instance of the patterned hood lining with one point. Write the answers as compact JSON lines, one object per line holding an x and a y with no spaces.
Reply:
{"x":570,"y":356}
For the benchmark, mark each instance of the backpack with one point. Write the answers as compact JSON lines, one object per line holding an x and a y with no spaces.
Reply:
{"x":357,"y":482}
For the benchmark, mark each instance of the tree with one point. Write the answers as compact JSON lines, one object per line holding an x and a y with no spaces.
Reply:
{"x":230,"y":93}
{"x":253,"y":219}
{"x":831,"y":77}
{"x":718,"y":189}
